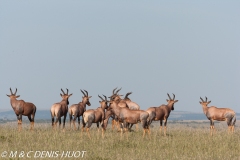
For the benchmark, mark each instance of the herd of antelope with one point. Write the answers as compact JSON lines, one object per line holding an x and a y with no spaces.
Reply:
{"x":124,"y":112}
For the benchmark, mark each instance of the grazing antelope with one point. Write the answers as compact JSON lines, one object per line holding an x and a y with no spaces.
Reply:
{"x":127,"y":116}
{"x":22,"y":108}
{"x":95,"y":116}
{"x":162,"y":112}
{"x":60,"y":109}
{"x":77,"y":110}
{"x":218,"y":114}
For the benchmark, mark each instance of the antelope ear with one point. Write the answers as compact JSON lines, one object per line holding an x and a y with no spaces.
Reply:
{"x":8,"y":95}
{"x":167,"y":100}
{"x":17,"y":96}
{"x":175,"y":101}
{"x":70,"y":95}
{"x":89,"y":96}
{"x":99,"y":101}
{"x":200,"y":102}
{"x":209,"y":102}
{"x":60,"y":94}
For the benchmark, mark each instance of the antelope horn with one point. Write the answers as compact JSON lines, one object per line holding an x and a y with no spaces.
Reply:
{"x":173,"y":96}
{"x":206,"y":98}
{"x":86,"y":92}
{"x":201,"y":99}
{"x":126,"y":96}
{"x":83,"y":92}
{"x":15,"y":92}
{"x":169,"y":97}
{"x":105,"y":97}
{"x":11,"y":91}
{"x":101,"y":97}
{"x":62,"y":91}
{"x":67,"y":91}
{"x":118,"y":90}
{"x":114,"y":90}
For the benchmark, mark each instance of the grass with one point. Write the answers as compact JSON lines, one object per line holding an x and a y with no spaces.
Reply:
{"x":188,"y":140}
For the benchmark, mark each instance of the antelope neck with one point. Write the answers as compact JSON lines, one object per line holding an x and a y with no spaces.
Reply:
{"x":205,"y":108}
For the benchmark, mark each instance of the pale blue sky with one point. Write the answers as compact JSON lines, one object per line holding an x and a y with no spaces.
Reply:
{"x":190,"y":48}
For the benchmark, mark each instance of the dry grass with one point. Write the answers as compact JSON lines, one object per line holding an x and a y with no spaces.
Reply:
{"x":189,"y":140}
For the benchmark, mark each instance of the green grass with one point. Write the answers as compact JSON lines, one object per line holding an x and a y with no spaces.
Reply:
{"x":183,"y":141}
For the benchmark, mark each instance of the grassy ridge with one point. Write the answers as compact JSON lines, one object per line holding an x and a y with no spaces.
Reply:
{"x":183,"y":141}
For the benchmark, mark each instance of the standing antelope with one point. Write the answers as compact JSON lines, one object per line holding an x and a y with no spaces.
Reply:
{"x":22,"y":108}
{"x":120,"y":103}
{"x":128,"y":116}
{"x":95,"y":116}
{"x":77,"y":110}
{"x":109,"y":113}
{"x":218,"y":114}
{"x":60,"y":109}
{"x":162,"y":112}
{"x":132,"y":105}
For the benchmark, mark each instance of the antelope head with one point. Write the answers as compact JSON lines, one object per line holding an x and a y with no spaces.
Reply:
{"x":65,"y":96}
{"x":13,"y":95}
{"x":171,"y":101}
{"x":103,"y":102}
{"x":111,"y":102}
{"x":204,"y":103}
{"x":115,"y":95}
{"x":85,"y":98}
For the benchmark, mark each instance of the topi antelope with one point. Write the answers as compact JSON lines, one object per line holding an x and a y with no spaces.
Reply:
{"x":127,"y":116}
{"x":95,"y":116}
{"x":120,"y":103}
{"x":60,"y":109}
{"x":218,"y":114}
{"x":109,"y":113}
{"x":162,"y":112}
{"x":132,"y":105}
{"x":77,"y":110}
{"x":22,"y":108}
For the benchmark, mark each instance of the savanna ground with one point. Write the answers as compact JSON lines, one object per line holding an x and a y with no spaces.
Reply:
{"x":184,"y":140}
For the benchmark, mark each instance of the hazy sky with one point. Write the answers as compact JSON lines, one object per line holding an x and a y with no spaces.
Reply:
{"x":190,"y":48}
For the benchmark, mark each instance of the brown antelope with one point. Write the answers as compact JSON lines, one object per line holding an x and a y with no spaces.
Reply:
{"x":95,"y":116}
{"x":218,"y":114}
{"x":127,"y":116}
{"x":132,"y":105}
{"x":77,"y":110}
{"x":162,"y":112}
{"x":117,"y":99}
{"x":60,"y":109}
{"x":109,"y":113}
{"x":22,"y":108}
